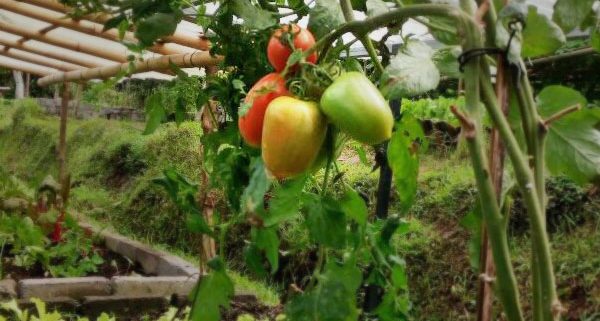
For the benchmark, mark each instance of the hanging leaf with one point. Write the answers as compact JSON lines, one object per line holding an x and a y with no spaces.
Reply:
{"x":325,"y":221}
{"x":569,"y":14}
{"x":334,"y":297}
{"x":155,"y":113}
{"x":156,"y":26}
{"x":266,"y":239}
{"x":354,"y":207}
{"x":325,"y":17}
{"x":376,"y":7}
{"x":541,"y":36}
{"x":403,"y":157}
{"x":253,"y":196}
{"x":253,"y":16}
{"x":573,"y":143}
{"x":212,"y":294}
{"x":286,"y":201}
{"x":411,"y":72}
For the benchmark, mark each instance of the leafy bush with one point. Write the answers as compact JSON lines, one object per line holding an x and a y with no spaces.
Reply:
{"x":73,"y":256}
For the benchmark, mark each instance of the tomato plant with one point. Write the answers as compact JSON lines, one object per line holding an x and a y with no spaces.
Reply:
{"x":354,"y":249}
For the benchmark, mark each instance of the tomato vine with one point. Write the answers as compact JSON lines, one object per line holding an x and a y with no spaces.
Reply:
{"x":354,"y":249}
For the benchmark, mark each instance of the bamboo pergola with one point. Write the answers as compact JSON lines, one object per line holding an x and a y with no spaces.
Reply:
{"x":38,"y":37}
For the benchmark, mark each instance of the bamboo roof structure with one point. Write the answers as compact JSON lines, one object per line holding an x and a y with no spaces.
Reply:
{"x":38,"y":37}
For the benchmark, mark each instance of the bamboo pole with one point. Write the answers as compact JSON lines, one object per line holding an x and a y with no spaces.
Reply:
{"x":95,"y":50}
{"x":197,"y":42}
{"x":207,"y":197}
{"x":196,"y":59}
{"x":89,"y":28}
{"x":70,"y":58}
{"x":13,"y":64}
{"x":39,"y":60}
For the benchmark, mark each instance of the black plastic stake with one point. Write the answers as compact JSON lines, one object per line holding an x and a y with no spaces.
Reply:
{"x":373,"y":293}
{"x":385,"y":172}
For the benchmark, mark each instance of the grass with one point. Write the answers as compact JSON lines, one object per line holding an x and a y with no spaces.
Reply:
{"x":112,"y":166}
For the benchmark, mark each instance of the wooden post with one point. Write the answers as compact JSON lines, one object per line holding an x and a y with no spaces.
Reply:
{"x":497,"y":153}
{"x":62,"y":138}
{"x":207,"y":198}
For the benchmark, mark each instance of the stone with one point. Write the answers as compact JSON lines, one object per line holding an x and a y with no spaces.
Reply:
{"x":122,"y":306}
{"x":148,"y":259}
{"x":166,"y":286}
{"x":75,"y":288}
{"x":171,"y":265}
{"x":8,"y":289}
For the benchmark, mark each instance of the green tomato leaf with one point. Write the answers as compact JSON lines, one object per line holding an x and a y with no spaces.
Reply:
{"x":541,"y":36}
{"x":354,"y":207}
{"x":266,"y":239}
{"x":403,"y":157}
{"x":376,"y":7}
{"x":325,"y":16}
{"x":157,"y":25}
{"x":286,"y":201}
{"x":254,"y":193}
{"x":253,"y":16}
{"x":573,"y":142}
{"x":213,"y":293}
{"x":325,"y":221}
{"x":569,"y":14}
{"x":155,"y":113}
{"x":411,"y":72}
{"x":334,"y":297}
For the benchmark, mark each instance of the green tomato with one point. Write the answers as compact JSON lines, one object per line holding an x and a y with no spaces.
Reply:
{"x":354,"y":105}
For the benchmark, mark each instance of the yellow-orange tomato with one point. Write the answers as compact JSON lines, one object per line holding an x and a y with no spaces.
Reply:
{"x":293,"y":133}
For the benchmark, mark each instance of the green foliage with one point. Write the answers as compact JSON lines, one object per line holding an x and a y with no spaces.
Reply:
{"x":74,"y":256}
{"x":325,"y":16}
{"x":437,"y":110}
{"x":411,"y":72}
{"x":403,"y":157}
{"x":213,"y":293}
{"x":541,"y":36}
{"x":333,"y":298}
{"x":41,"y":313}
{"x":570,"y":14}
{"x":573,"y":146}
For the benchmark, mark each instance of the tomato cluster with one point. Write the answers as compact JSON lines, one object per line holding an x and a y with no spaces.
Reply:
{"x":291,"y":131}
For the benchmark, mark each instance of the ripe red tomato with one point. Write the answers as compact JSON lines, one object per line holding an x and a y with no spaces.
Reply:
{"x":260,"y":95}
{"x":278,"y":51}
